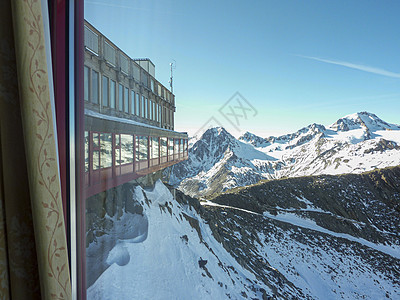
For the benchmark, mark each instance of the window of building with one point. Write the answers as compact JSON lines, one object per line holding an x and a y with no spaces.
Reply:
{"x":95,"y":87}
{"x":150,"y":109}
{"x":117,"y":149}
{"x":142,"y":147}
{"x":163,"y":147}
{"x":152,"y":85}
{"x":133,"y":100}
{"x":154,"y":147}
{"x":86,"y":83}
{"x":143,"y":107}
{"x":126,"y":100}
{"x":104,"y":88}
{"x":105,"y":150}
{"x":176,"y":149}
{"x":159,"y":113}
{"x":137,"y":111}
{"x":86,"y":151}
{"x":126,"y":148}
{"x":112,"y":93}
{"x":96,"y":151}
{"x":147,"y":114}
{"x":120,"y":97}
{"x":170,"y":146}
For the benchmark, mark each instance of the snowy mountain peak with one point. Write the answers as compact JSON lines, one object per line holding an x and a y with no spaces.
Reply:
{"x":216,"y":133}
{"x":362,"y":120}
{"x":253,"y":139}
{"x":355,"y":143}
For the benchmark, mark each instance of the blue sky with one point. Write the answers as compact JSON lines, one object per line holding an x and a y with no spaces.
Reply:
{"x":295,"y":62}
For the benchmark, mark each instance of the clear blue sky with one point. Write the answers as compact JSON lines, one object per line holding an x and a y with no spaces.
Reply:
{"x":296,"y":62}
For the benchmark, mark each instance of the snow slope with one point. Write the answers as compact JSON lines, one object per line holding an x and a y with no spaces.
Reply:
{"x":162,"y":263}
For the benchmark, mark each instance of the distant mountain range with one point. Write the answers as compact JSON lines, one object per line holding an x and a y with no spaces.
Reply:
{"x":353,"y":144}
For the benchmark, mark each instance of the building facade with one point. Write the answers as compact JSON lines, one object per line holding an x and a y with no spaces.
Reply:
{"x":129,"y":117}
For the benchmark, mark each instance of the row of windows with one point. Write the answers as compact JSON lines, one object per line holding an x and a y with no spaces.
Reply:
{"x":146,"y":147}
{"x":134,"y":103}
{"x":92,"y":43}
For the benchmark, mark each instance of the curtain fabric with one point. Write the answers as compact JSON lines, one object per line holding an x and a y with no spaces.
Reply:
{"x":33,"y":251}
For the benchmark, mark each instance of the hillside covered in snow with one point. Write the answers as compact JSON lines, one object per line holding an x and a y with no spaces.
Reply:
{"x":323,"y":237}
{"x":353,"y":144}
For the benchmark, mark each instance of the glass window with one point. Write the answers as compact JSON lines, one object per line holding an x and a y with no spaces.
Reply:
{"x":95,"y":87}
{"x":117,"y":149}
{"x":133,"y":100}
{"x":154,"y":147}
{"x":150,"y":109}
{"x":146,"y":107}
{"x":112,"y":93}
{"x":141,"y":150}
{"x":86,"y":83}
{"x":126,"y":148}
{"x":176,"y":149}
{"x":105,"y":150}
{"x":152,"y":85}
{"x":96,"y":151}
{"x":143,"y":107}
{"x":104,"y":94}
{"x":126,"y":100}
{"x":121,"y":97}
{"x":137,"y":111}
{"x":170,"y":146}
{"x":163,"y":146}
{"x":86,"y":151}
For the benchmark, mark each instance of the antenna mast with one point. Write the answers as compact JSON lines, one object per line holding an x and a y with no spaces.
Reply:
{"x":173,"y":66}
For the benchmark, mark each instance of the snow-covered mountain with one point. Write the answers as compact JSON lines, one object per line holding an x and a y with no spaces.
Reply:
{"x":324,"y":237}
{"x":153,"y":252}
{"x":353,"y":144}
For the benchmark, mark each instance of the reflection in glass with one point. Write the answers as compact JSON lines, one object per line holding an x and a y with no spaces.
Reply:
{"x":120,"y":97}
{"x":137,"y":104}
{"x":146,"y":107}
{"x":170,"y":146}
{"x":133,"y":100}
{"x":126,"y":100}
{"x":163,"y":147}
{"x":86,"y":83}
{"x":95,"y":87}
{"x":117,"y":156}
{"x":126,"y":148}
{"x":143,"y":143}
{"x":105,"y":150}
{"x":104,"y":94}
{"x":176,"y":150}
{"x":95,"y":140}
{"x":154,"y":147}
{"x":143,"y":107}
{"x":112,"y":93}
{"x":96,"y":152}
{"x":86,"y":151}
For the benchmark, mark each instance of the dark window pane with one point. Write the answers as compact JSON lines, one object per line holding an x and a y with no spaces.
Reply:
{"x":86,"y":83}
{"x":105,"y":91}
{"x":112,"y":93}
{"x":121,"y":97}
{"x":126,"y":100}
{"x":95,"y":87}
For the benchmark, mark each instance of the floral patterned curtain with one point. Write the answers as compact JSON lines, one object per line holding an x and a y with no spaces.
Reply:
{"x":33,"y":254}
